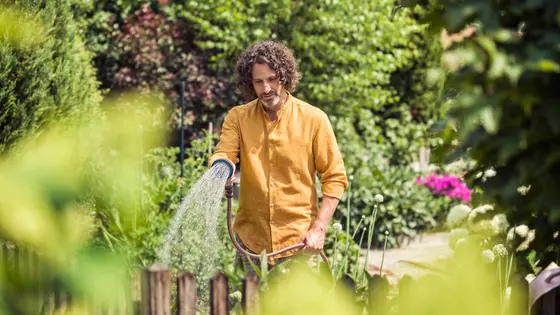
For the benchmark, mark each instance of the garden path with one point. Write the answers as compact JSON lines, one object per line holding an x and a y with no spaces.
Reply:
{"x":424,"y":249}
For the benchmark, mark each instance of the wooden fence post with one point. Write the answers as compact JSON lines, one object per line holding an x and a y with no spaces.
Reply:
{"x":219,"y":295}
{"x":378,"y":292}
{"x":156,"y":295}
{"x":186,"y":294}
{"x":250,"y":297}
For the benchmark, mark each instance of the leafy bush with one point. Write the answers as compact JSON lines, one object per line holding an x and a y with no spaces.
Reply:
{"x":42,"y":211}
{"x":506,"y":114}
{"x":48,"y":76}
{"x":408,"y":209}
{"x":154,"y":51}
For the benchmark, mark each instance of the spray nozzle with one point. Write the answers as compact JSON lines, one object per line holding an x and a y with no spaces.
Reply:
{"x":227,"y":163}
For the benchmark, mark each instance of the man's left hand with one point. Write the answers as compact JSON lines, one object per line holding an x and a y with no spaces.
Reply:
{"x":314,"y":239}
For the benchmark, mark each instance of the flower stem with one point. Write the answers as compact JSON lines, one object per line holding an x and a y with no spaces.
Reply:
{"x":347,"y":226}
{"x":370,"y":234}
{"x":383,"y":255}
{"x":334,"y":273}
{"x":355,"y":275}
{"x":500,"y":281}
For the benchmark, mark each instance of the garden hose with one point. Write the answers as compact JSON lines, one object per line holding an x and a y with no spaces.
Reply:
{"x":229,"y":194}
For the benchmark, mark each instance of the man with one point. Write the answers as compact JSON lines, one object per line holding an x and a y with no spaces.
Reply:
{"x":281,"y":143}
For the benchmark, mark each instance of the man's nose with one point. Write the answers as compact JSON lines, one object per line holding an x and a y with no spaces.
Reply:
{"x":267,"y":88}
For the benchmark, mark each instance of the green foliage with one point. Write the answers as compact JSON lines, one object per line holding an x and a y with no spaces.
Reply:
{"x":160,"y":190}
{"x":49,"y":76}
{"x":506,"y":113}
{"x":150,"y":49}
{"x":453,"y":286}
{"x":408,"y":209}
{"x":42,"y":211}
{"x":347,"y":251}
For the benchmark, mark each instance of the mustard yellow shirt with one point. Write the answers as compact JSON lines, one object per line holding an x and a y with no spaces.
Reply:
{"x":279,"y":162}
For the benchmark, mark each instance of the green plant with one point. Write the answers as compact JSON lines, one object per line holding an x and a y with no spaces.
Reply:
{"x":150,"y":48}
{"x":488,"y":233}
{"x":506,"y":115}
{"x":43,"y":211}
{"x":46,"y":75}
{"x":408,"y":209}
{"x":342,"y":250}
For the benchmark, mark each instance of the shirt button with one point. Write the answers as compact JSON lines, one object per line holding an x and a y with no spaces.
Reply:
{"x":272,"y":222}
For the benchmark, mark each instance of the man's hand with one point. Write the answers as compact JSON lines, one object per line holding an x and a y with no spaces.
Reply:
{"x":314,"y":239}
{"x":230,"y":180}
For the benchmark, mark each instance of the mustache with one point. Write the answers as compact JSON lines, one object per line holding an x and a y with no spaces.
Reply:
{"x":269,"y":94}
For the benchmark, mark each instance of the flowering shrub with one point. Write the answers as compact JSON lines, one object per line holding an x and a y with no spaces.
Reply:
{"x":446,"y":185}
{"x":484,"y":230}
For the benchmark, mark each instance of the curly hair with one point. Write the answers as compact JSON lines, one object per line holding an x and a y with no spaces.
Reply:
{"x":277,"y":56}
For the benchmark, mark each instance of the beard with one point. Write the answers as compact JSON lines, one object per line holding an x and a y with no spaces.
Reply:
{"x":270,"y":99}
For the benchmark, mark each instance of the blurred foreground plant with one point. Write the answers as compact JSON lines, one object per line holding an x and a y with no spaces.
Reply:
{"x":44,"y":184}
{"x":460,"y":287}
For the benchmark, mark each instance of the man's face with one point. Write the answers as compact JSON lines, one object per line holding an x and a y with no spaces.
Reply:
{"x":266,"y":84}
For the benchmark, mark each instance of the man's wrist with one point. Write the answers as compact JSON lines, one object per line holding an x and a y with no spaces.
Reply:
{"x":320,"y":225}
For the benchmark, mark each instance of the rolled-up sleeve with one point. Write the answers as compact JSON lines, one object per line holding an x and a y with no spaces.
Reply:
{"x":328,"y":160}
{"x":228,"y":145}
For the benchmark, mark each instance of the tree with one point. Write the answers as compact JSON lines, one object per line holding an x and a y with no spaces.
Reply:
{"x":506,"y":115}
{"x":49,"y":78}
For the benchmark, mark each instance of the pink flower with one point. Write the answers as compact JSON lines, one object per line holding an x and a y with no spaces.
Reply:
{"x":446,"y":185}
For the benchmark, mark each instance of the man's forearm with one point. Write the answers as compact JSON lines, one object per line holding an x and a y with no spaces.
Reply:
{"x":328,"y":206}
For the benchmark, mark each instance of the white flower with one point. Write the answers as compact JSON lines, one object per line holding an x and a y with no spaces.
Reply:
{"x":522,"y":230}
{"x":510,"y":235}
{"x":457,"y":215}
{"x":484,"y":227}
{"x":337,"y":227}
{"x":487,"y":256}
{"x":455,"y":235}
{"x":500,"y":223}
{"x":500,"y":250}
{"x":378,"y":198}
{"x":525,"y":244}
{"x":523,"y":190}
{"x":489,"y":173}
{"x":479,"y":210}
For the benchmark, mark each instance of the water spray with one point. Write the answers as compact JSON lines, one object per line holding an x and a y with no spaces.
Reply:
{"x":229,"y":195}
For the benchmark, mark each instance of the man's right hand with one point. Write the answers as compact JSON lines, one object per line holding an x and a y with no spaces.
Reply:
{"x":230,"y":180}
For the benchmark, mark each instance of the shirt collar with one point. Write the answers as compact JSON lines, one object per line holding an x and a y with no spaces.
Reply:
{"x":287,"y":104}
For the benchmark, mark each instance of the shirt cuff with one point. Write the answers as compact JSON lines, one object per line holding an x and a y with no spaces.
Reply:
{"x":335,"y":190}
{"x":219,"y":156}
